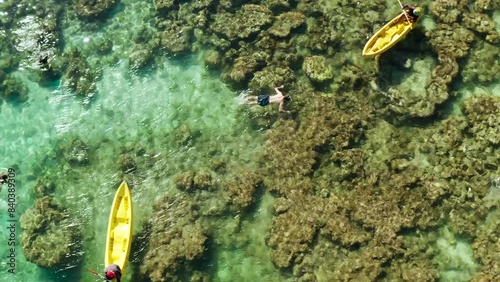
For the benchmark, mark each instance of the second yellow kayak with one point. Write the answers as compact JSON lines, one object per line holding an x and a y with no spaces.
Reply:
{"x":388,"y":35}
{"x":119,"y":237}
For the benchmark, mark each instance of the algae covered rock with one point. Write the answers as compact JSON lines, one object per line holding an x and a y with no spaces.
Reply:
{"x":93,"y":8}
{"x":38,"y":37}
{"x":191,"y":181}
{"x":176,"y":38}
{"x":212,"y":59}
{"x":185,"y":136}
{"x":79,"y":76}
{"x":240,"y":190}
{"x":483,"y":64}
{"x":249,"y":20}
{"x":317,"y":68}
{"x":175,"y":240}
{"x":127,"y":164}
{"x":483,"y":115}
{"x":164,"y":5}
{"x":140,"y":56}
{"x":271,"y":76}
{"x":76,"y":152}
{"x":12,"y":88}
{"x":50,"y":237}
{"x":285,"y":22}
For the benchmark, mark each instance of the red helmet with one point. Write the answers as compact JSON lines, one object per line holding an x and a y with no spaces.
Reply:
{"x":110,"y":274}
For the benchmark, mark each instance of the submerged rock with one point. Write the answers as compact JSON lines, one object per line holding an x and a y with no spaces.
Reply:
{"x":191,"y":181}
{"x":12,"y":88}
{"x":176,"y":38}
{"x":240,"y":189}
{"x":317,"y":68}
{"x":79,"y":76}
{"x":249,"y":20}
{"x":93,"y":8}
{"x":483,"y":116}
{"x":76,"y":153}
{"x":50,"y":237}
{"x":271,"y":76}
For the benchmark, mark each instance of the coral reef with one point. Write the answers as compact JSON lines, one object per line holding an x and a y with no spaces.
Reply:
{"x":50,"y":238}
{"x":482,"y":114}
{"x":176,"y":38}
{"x":191,"y":181}
{"x":12,"y":88}
{"x":249,"y":20}
{"x":285,"y":23}
{"x":175,"y":240}
{"x":364,"y":177}
{"x":240,"y":189}
{"x":487,"y":250}
{"x":75,"y":152}
{"x":476,"y":70}
{"x":363,"y":202}
{"x":317,"y":68}
{"x":79,"y":77}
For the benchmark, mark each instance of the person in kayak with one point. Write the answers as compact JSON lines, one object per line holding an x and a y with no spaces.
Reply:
{"x":113,"y":272}
{"x":411,"y":12}
{"x":264,"y":100}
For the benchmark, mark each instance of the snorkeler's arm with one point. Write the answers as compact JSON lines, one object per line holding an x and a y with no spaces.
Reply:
{"x":277,"y":91}
{"x":281,"y":109}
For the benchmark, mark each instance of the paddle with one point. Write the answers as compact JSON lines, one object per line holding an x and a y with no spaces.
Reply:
{"x":404,"y":12}
{"x":97,"y":273}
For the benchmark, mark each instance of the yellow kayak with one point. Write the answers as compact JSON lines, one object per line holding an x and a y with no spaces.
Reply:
{"x":119,"y":238}
{"x":389,"y":35}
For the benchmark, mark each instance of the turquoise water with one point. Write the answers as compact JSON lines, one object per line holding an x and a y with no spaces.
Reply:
{"x":182,"y":116}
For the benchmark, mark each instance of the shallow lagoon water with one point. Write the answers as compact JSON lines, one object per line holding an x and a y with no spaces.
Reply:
{"x":140,"y":109}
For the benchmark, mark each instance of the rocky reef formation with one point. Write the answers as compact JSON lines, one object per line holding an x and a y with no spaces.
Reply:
{"x":362,"y":204}
{"x":248,"y":21}
{"x":483,"y":118}
{"x":361,"y":191}
{"x":75,"y":152}
{"x":51,"y":238}
{"x":13,"y":88}
{"x":317,"y":68}
{"x":92,"y":8}
{"x":191,"y":181}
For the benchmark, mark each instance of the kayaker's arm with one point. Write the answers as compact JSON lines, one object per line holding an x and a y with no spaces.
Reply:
{"x":404,"y":11}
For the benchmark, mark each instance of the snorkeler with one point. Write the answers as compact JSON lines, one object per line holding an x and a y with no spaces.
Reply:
{"x":264,"y":100}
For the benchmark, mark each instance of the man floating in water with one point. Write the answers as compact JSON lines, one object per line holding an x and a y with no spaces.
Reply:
{"x":264,"y":100}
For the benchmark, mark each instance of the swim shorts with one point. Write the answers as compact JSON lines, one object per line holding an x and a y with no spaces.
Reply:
{"x":263,"y":100}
